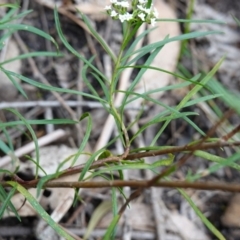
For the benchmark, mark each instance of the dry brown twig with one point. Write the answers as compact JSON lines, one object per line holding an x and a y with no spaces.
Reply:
{"x":143,"y":184}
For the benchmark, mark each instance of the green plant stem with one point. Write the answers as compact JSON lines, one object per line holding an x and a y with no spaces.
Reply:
{"x":113,"y":84}
{"x":189,"y":14}
{"x":130,"y":34}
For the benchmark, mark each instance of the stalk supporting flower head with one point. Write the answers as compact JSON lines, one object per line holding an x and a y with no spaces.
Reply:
{"x":140,"y":11}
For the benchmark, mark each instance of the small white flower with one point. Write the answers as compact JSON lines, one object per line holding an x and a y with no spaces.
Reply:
{"x":146,"y":10}
{"x":118,"y":10}
{"x":128,"y":16}
{"x":123,"y":4}
{"x":141,"y":7}
{"x":155,"y":13}
{"x":113,"y":13}
{"x":142,"y":16}
{"x":108,"y":7}
{"x":122,"y":17}
{"x":153,"y":21}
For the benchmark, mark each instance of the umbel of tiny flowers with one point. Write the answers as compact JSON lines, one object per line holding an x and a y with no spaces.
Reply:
{"x":141,"y":11}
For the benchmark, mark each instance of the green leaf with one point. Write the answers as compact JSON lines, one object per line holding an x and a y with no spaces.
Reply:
{"x":158,"y":44}
{"x":190,"y":20}
{"x":28,"y":126}
{"x":158,"y":119}
{"x":34,"y":162}
{"x":230,"y":98}
{"x":207,"y":223}
{"x":32,"y":54}
{"x":9,"y":16}
{"x":135,"y":42}
{"x":114,"y":210}
{"x":89,"y":163}
{"x":236,"y":20}
{"x":202,"y":99}
{"x":8,"y":138}
{"x":4,"y":37}
{"x":71,"y":49}
{"x":16,"y":85}
{"x":149,"y":3}
{"x":142,"y":53}
{"x":110,"y":230}
{"x":160,"y":70}
{"x":90,"y":86}
{"x":127,"y":165}
{"x":6,"y":199}
{"x":98,"y":37}
{"x":17,"y":27}
{"x":85,"y":138}
{"x":97,"y":215}
{"x":189,"y":95}
{"x":51,"y":88}
{"x":44,"y":180}
{"x":221,"y":162}
{"x":4,"y":147}
{"x":203,"y":82}
{"x":9,"y":5}
{"x":138,"y":77}
{"x":39,"y":209}
{"x":38,"y":122}
{"x":104,"y":87}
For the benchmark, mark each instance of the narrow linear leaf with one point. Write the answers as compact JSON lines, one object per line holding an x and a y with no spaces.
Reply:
{"x":85,"y":138}
{"x":207,"y":223}
{"x":38,"y":122}
{"x":71,"y":49}
{"x":39,"y":209}
{"x":35,"y":140}
{"x":138,"y":77}
{"x":162,"y":70}
{"x":89,"y":163}
{"x":236,"y":20}
{"x":51,"y":88}
{"x":135,"y":42}
{"x":32,"y":54}
{"x":6,"y":199}
{"x":159,"y":119}
{"x":190,"y":20}
{"x":8,"y":138}
{"x":9,"y":5}
{"x":112,"y":226}
{"x":43,"y":181}
{"x":97,"y":215}
{"x":9,"y":16}
{"x":158,"y":44}
{"x":16,"y":85}
{"x":114,"y":210}
{"x":4,"y":147}
{"x":190,"y":94}
{"x":98,"y":37}
{"x":17,"y":27}
{"x":203,"y":82}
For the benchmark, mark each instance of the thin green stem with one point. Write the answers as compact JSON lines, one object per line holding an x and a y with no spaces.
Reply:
{"x":189,"y":14}
{"x":113,"y":84}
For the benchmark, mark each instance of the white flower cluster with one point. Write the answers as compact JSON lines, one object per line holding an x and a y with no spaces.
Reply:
{"x":140,"y":12}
